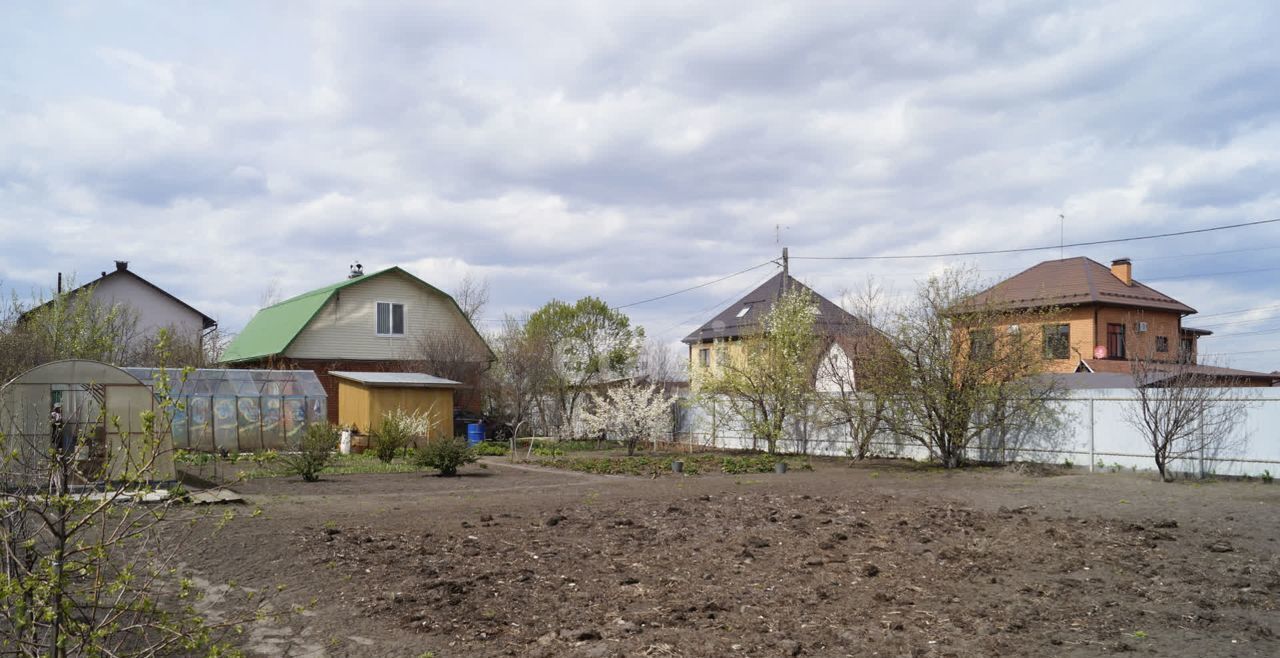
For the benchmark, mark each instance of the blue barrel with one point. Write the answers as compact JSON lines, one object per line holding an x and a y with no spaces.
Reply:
{"x":475,"y":433}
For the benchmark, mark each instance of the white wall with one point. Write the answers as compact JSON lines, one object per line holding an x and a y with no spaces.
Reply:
{"x":1108,"y":437}
{"x":155,"y":310}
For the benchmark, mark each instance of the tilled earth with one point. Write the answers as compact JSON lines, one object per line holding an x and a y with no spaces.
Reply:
{"x":898,"y":565}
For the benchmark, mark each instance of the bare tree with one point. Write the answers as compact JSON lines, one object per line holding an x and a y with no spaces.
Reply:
{"x":459,"y":354}
{"x":270,"y":294}
{"x":472,"y":295}
{"x":961,"y":369}
{"x":849,"y":393}
{"x":1185,"y":410}
{"x":523,"y":361}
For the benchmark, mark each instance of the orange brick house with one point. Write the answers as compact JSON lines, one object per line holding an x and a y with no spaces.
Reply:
{"x":1105,"y":318}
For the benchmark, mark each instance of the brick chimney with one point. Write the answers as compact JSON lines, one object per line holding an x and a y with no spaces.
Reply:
{"x":1123,"y":270}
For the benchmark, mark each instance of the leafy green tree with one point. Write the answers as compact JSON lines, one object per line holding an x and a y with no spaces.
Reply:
{"x":767,"y":379}
{"x":587,"y":342}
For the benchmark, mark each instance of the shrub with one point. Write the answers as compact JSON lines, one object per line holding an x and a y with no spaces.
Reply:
{"x":313,"y":451}
{"x":399,"y":428}
{"x":389,"y":438}
{"x":445,"y":455}
{"x":490,"y":449}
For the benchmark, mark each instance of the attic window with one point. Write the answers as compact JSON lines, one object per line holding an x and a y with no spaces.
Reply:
{"x":744,"y":310}
{"x":390,"y":319}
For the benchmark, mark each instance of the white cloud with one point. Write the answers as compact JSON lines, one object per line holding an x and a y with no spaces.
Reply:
{"x":630,"y":149}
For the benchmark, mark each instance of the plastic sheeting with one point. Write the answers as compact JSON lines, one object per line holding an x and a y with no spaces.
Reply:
{"x":239,"y":410}
{"x":87,"y":394}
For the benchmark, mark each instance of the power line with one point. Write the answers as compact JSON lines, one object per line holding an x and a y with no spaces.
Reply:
{"x":1242,"y":310}
{"x":1208,"y":274}
{"x":1029,"y":249}
{"x":719,"y":304}
{"x":701,"y":285}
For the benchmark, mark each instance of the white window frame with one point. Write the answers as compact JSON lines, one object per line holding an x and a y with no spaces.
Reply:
{"x":391,"y":319}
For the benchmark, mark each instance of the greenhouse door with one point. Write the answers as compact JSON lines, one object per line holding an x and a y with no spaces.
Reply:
{"x":131,"y":453}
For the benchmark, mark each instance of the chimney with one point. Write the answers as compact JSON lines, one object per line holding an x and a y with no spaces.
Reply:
{"x":357,"y":271}
{"x":1123,"y":270}
{"x":122,"y":265}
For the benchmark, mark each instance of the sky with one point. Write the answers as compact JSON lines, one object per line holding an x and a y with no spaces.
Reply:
{"x":629,"y":150}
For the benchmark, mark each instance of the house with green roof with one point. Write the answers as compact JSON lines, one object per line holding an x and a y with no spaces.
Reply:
{"x":384,"y":321}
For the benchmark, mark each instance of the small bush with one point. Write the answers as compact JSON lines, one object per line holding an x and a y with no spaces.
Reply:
{"x":398,"y":429}
{"x":313,"y":451}
{"x":490,"y":449}
{"x":390,"y":437}
{"x":445,"y":455}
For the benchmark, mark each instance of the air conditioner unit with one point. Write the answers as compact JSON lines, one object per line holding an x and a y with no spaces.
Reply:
{"x":1142,"y":327}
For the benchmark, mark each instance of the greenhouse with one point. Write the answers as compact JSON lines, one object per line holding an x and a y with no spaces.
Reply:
{"x":59,"y":409}
{"x":239,"y":410}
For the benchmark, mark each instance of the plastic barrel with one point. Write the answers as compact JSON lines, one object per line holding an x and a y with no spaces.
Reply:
{"x":475,"y":433}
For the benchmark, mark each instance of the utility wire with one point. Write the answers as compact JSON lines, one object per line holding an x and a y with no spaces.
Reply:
{"x":1028,"y":249}
{"x":700,"y":313}
{"x":701,"y":285}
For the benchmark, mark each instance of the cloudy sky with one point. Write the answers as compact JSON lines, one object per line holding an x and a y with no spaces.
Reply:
{"x":630,"y":150}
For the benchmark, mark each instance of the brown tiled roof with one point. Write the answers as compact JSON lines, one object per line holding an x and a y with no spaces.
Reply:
{"x":733,"y":323}
{"x":1075,"y":281}
{"x":1126,"y":367}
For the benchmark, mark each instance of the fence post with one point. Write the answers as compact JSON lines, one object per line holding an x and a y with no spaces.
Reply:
{"x":1092,"y":457}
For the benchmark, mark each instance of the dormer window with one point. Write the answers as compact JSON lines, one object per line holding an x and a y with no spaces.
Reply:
{"x":390,"y":319}
{"x":744,"y":310}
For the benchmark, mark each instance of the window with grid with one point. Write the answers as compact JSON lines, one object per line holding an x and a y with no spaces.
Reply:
{"x":1057,"y":341}
{"x":704,"y":357}
{"x":390,"y":319}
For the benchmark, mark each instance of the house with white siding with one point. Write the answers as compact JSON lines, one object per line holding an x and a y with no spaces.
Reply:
{"x":376,"y":322}
{"x":148,"y":307}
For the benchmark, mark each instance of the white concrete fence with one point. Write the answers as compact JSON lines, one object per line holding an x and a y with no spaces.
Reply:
{"x":1092,"y":431}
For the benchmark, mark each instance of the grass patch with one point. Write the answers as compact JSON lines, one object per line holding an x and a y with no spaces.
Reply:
{"x":270,"y":464}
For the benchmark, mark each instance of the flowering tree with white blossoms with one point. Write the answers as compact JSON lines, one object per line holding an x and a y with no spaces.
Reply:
{"x":630,"y":411}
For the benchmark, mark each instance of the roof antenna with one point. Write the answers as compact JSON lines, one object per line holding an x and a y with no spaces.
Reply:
{"x":1062,"y":233}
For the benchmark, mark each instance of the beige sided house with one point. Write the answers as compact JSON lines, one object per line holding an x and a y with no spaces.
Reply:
{"x":366,"y":323}
{"x":845,"y":335}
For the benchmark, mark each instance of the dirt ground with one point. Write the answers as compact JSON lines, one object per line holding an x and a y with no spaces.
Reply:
{"x":872,"y":560}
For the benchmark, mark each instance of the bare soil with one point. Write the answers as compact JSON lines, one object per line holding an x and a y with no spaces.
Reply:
{"x":877,"y":559}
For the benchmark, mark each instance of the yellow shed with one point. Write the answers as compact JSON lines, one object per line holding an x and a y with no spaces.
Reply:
{"x":363,"y":398}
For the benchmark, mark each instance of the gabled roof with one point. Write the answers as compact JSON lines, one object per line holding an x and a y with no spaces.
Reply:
{"x":122,"y":270}
{"x":275,"y":327}
{"x":1075,"y":281}
{"x":743,"y":317}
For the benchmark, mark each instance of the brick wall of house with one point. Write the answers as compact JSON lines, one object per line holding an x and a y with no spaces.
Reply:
{"x":464,"y":398}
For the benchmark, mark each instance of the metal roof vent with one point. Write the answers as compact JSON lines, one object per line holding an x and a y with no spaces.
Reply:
{"x":357,"y":271}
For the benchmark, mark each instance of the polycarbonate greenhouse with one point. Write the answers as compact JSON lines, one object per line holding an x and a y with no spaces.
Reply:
{"x":61,"y":407}
{"x":240,"y":410}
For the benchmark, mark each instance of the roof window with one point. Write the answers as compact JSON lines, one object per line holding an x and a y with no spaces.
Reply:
{"x":744,"y":310}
